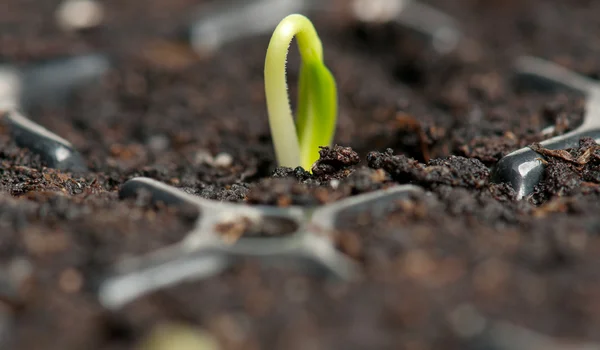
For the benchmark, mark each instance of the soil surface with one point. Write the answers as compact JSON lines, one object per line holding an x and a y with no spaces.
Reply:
{"x":436,"y":271}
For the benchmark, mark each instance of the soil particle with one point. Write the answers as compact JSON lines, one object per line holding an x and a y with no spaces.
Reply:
{"x":299,"y":187}
{"x":568,"y":172}
{"x":334,"y":162}
{"x":230,"y":193}
{"x":489,"y":150}
{"x":458,"y":171}
{"x":560,"y":179}
{"x":407,"y":126}
{"x":298,"y":173}
{"x":454,"y":170}
{"x":232,"y":230}
{"x":331,"y":179}
{"x":365,"y":180}
{"x":502,"y":192}
{"x":483,"y":206}
{"x":582,"y":155}
{"x":401,"y":168}
{"x":285,"y":192}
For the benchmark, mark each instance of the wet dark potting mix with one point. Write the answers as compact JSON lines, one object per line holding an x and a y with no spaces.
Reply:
{"x":142,"y":206}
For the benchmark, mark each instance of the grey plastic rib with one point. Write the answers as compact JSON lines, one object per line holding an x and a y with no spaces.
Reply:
{"x":203,"y":253}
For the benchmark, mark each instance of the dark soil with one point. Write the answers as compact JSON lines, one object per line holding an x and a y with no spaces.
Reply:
{"x":407,"y":115}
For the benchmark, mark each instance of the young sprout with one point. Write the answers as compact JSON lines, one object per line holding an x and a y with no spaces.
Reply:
{"x":317,"y":96}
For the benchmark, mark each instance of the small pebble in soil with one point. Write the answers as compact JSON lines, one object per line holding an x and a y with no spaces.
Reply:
{"x":223,"y":160}
{"x":79,"y":14}
{"x":10,"y":88}
{"x":376,"y":10}
{"x":179,"y":336}
{"x":334,"y":184}
{"x":203,"y":157}
{"x":158,"y":143}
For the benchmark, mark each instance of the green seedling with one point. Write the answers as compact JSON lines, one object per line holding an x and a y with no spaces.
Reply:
{"x":298,"y":144}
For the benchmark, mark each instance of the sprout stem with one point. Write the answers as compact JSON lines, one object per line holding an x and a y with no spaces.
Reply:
{"x":316,"y":95}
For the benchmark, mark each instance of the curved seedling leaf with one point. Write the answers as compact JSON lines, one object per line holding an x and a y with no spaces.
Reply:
{"x":317,"y":110}
{"x":298,"y":143}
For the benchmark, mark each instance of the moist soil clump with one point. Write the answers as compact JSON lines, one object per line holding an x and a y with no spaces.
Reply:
{"x":569,"y":172}
{"x":462,"y":265}
{"x":455,"y":171}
